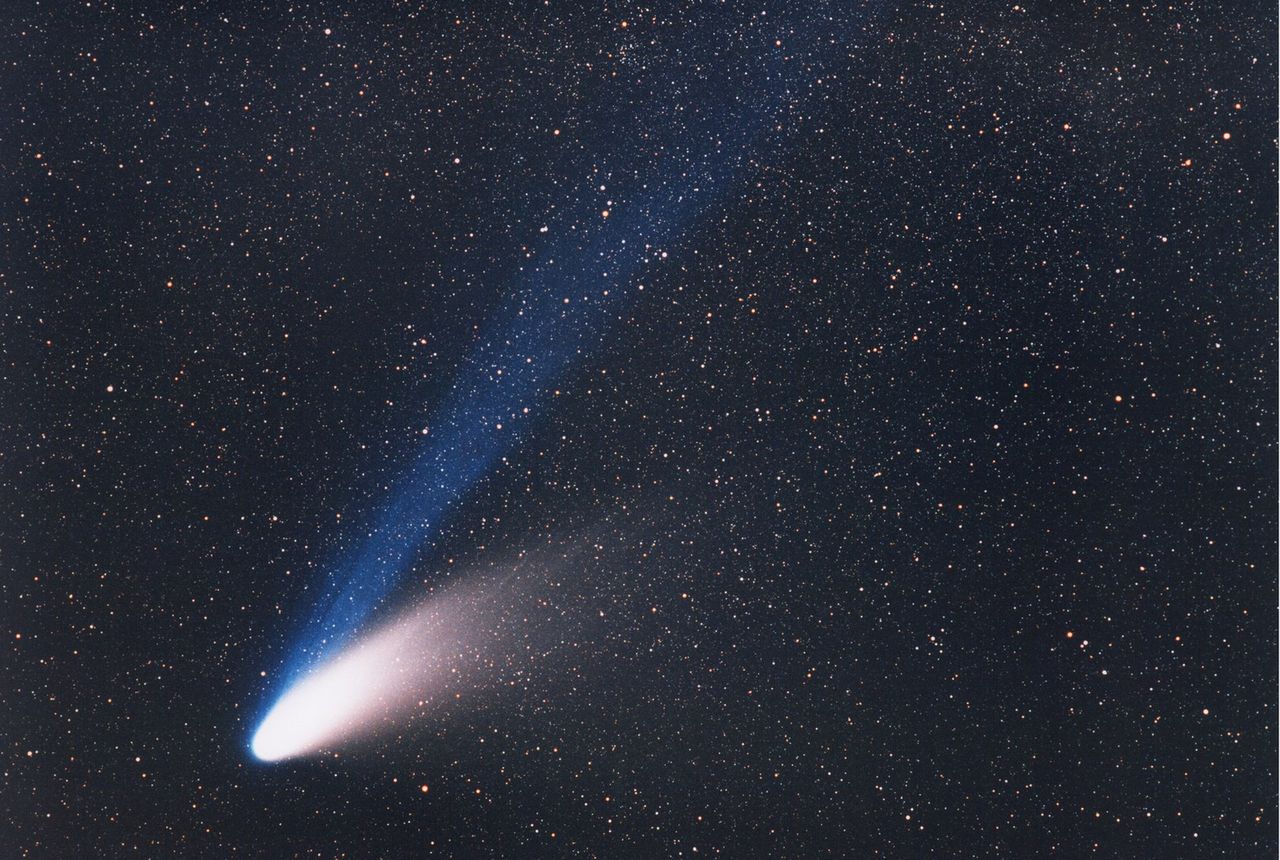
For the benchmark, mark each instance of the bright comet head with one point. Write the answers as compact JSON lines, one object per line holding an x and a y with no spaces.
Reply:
{"x":363,"y":687}
{"x":316,"y":710}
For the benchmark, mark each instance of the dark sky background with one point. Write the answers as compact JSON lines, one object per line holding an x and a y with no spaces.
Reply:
{"x":923,"y":503}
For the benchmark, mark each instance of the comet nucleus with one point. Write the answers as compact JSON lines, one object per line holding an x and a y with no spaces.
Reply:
{"x":368,"y":685}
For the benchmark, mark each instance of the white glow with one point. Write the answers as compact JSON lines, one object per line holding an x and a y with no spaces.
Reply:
{"x":475,"y":635}
{"x":361,"y":689}
{"x":317,"y":709}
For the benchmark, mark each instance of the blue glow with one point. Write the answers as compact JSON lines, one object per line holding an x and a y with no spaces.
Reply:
{"x":591,"y":262}
{"x":555,"y":322}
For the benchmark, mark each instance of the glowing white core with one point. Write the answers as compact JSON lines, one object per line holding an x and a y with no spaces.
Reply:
{"x":361,"y":689}
{"x":316,"y":710}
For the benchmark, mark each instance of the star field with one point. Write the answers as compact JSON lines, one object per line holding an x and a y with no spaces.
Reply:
{"x":869,"y":410}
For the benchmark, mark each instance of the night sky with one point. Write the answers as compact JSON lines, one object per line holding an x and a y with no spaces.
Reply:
{"x":833,"y":429}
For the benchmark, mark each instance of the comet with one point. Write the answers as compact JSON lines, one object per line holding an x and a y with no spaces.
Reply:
{"x":593,"y":254}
